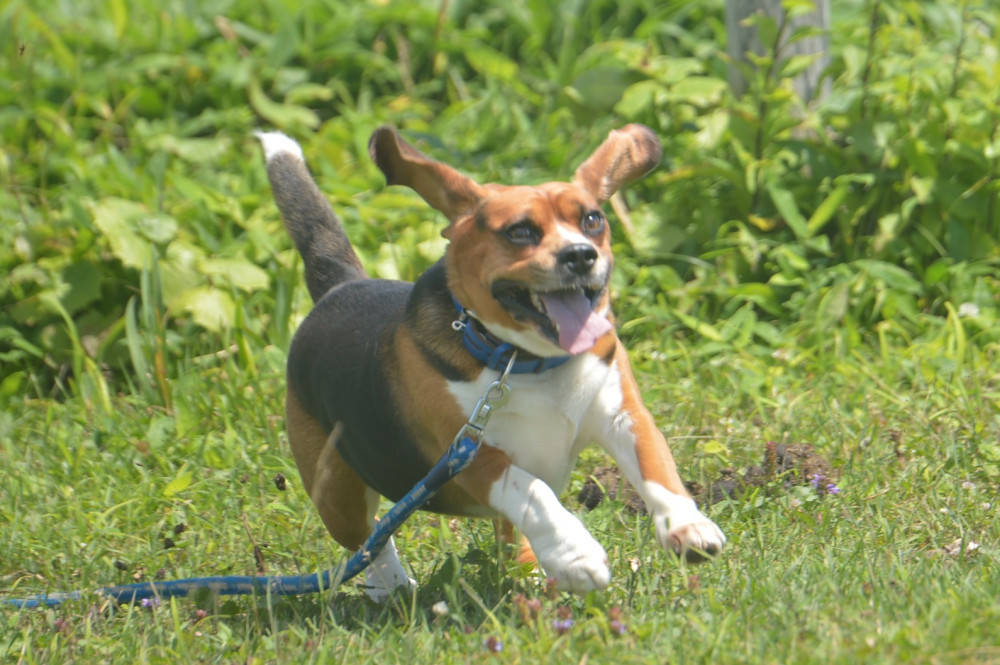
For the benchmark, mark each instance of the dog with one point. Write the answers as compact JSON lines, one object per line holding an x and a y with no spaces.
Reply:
{"x":382,"y":373}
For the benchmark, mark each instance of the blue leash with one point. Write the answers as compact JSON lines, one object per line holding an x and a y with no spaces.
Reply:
{"x":460,"y":454}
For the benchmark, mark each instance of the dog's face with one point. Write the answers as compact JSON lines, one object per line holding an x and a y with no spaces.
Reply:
{"x":531,"y":263}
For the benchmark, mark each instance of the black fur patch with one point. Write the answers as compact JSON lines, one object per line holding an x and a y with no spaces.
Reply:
{"x":337,"y":365}
{"x":430,"y":313}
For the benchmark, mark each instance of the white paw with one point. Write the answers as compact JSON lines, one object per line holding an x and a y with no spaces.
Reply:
{"x":570,"y":556}
{"x":379,"y":587}
{"x":386,"y":575}
{"x":680,"y":526}
{"x":565,"y":549}
{"x":695,"y":540}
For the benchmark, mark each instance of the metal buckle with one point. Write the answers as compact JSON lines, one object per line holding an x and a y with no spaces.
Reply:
{"x":497,"y":394}
{"x":459,"y":324}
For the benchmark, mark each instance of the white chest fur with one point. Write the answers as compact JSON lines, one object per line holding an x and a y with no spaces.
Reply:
{"x":548,"y":418}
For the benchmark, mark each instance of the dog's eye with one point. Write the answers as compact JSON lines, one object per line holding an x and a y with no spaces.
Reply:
{"x":592,"y":222}
{"x":522,"y":233}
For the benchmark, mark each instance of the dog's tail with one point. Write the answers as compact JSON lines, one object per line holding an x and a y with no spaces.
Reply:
{"x":314,"y":227}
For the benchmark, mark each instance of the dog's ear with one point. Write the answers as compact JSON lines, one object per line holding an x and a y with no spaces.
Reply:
{"x":628,"y":153}
{"x":440,"y":185}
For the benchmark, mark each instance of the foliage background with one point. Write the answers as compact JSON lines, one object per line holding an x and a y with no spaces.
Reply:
{"x":127,"y":148}
{"x":823,"y":272}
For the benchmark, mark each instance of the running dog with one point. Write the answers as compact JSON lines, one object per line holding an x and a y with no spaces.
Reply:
{"x":382,"y":374}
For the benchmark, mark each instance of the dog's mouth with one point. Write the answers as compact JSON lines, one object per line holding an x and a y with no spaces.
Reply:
{"x":566,"y":316}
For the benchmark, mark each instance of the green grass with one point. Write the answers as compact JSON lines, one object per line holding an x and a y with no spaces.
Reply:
{"x":90,"y":497}
{"x":836,"y":288}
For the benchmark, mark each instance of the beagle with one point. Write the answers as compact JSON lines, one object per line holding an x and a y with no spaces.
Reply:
{"x":382,"y":374}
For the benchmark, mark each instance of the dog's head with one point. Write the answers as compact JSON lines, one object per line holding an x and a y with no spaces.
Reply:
{"x":531,"y":263}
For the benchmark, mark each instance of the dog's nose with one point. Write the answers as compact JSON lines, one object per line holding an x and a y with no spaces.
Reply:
{"x":578,"y":259}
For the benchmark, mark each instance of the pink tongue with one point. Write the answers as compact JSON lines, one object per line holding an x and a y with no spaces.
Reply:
{"x":579,"y":327}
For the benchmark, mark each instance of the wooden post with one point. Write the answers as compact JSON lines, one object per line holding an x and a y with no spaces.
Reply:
{"x":743,"y":39}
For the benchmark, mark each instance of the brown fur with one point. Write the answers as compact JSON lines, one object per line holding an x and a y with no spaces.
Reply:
{"x":655,"y":461}
{"x":339,"y":495}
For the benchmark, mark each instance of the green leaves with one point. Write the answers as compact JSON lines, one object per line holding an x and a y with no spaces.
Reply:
{"x":198,"y":286}
{"x":127,"y":149}
{"x":289,"y":117}
{"x":490,"y":63}
{"x":209,"y":307}
{"x":180,"y":483}
{"x":119,"y":221}
{"x":237,"y":273}
{"x":784,"y":201}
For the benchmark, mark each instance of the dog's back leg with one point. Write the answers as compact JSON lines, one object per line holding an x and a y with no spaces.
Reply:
{"x":505,"y":534}
{"x":345,"y":503}
{"x":338,"y":493}
{"x":314,"y":227}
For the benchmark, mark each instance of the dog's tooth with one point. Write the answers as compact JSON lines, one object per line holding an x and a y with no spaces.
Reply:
{"x":536,"y":302}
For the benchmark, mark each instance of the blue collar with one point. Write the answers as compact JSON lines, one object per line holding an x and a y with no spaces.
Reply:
{"x":495,"y":353}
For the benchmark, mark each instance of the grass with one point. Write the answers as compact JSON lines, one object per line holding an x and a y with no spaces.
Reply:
{"x":91,"y":498}
{"x":148,"y":295}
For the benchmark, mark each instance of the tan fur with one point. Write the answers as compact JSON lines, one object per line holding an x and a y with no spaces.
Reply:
{"x":343,"y":500}
{"x":627,"y":153}
{"x":441,"y":186}
{"x":504,"y":531}
{"x":656,"y":463}
{"x":436,"y":419}
{"x":607,"y":347}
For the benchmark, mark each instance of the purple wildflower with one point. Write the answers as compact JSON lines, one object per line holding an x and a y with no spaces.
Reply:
{"x":615,"y":621}
{"x":822,"y":484}
{"x":562,"y":626}
{"x":527,"y":610}
{"x":150,"y":603}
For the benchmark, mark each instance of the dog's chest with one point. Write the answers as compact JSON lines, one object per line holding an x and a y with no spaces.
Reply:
{"x":546,"y":420}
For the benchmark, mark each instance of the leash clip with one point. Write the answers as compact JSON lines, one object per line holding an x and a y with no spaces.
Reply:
{"x":459,"y":324}
{"x":497,"y":394}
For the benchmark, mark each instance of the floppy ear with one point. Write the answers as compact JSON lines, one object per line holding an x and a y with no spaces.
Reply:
{"x":440,"y":185}
{"x":627,"y":154}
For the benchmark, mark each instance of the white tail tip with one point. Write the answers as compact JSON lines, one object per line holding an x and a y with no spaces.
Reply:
{"x":277,"y":143}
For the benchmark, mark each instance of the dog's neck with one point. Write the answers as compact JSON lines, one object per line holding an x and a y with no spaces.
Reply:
{"x":494,"y":352}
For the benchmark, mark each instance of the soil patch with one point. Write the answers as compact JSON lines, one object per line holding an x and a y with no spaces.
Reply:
{"x":791,"y":464}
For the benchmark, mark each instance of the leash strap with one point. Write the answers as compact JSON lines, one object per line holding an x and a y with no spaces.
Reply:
{"x":459,"y":455}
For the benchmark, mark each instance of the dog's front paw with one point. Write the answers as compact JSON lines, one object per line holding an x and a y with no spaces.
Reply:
{"x":696,"y":540}
{"x":570,"y":556}
{"x":564,"y":548}
{"x":680,"y":526}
